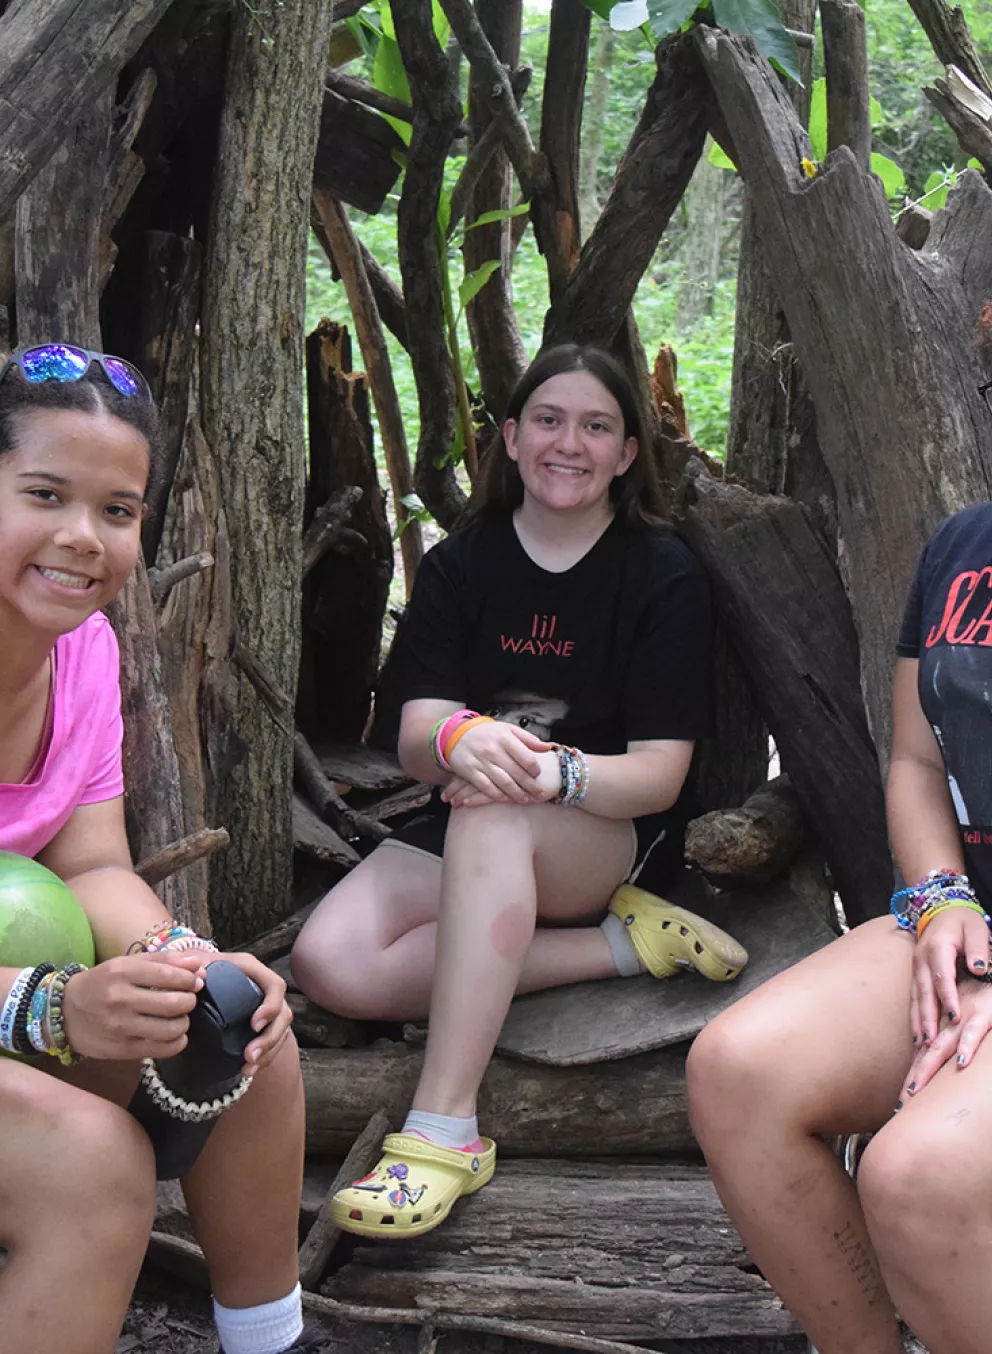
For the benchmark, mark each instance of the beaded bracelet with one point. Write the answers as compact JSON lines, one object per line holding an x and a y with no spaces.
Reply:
{"x":59,"y":1046}
{"x":935,"y":888}
{"x":190,"y":1111}
{"x":22,"y":1044}
{"x":38,"y":1015}
{"x":574,"y":768}
{"x":8,"y":1011}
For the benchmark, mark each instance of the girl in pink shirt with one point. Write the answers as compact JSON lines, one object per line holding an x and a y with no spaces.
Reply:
{"x":77,"y":434}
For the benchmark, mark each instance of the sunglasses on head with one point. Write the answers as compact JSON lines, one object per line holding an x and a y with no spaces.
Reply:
{"x":62,"y":362}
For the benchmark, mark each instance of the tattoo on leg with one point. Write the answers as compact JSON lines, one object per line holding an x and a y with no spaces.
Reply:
{"x":861,"y":1264}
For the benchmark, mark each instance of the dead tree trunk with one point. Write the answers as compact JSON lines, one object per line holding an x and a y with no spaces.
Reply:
{"x":252,"y":361}
{"x":59,"y":56}
{"x":900,"y":459}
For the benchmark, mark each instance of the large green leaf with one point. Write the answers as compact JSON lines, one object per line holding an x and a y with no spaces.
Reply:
{"x":762,"y":21}
{"x":476,"y":280}
{"x":628,"y":15}
{"x":874,"y":110}
{"x":389,"y":77}
{"x":668,"y":16}
{"x":719,"y":157}
{"x":893,"y":179}
{"x":818,"y":119}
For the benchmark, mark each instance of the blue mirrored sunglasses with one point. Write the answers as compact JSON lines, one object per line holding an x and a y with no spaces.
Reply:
{"x":61,"y":362}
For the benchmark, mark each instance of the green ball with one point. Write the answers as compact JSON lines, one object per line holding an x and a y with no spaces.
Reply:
{"x":40,"y":918}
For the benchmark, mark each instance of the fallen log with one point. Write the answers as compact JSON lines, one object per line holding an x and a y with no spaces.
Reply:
{"x":653,"y":1251}
{"x":632,"y":1107}
{"x":317,"y":839}
{"x":323,"y":1234}
{"x":753,"y":843}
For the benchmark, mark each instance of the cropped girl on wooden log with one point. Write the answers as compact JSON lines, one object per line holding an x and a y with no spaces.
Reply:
{"x":77,"y":1177}
{"x":557,"y":674}
{"x":885,"y":1030}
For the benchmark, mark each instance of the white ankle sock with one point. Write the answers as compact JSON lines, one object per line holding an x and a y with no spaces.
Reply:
{"x":267,"y":1329}
{"x":442,"y":1129}
{"x":621,"y":946}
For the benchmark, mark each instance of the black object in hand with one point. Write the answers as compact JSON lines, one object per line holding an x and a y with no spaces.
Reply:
{"x":206,"y":1071}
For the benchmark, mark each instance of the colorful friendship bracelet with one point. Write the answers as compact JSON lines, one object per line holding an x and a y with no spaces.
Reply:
{"x":915,"y":906}
{"x":171,"y":937}
{"x":191,"y":1112}
{"x":932,"y":912}
{"x":574,"y":767}
{"x":31,"y":1015}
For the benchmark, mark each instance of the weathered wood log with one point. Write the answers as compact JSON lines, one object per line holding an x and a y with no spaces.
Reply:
{"x":972,"y":131}
{"x":404,"y":801}
{"x":755,"y":842}
{"x":324,"y":1231}
{"x":330,"y":807}
{"x":899,"y":459}
{"x":590,"y":1022}
{"x":59,"y":59}
{"x":278,"y":939}
{"x":179,"y":855}
{"x":252,"y":358}
{"x":845,"y":61}
{"x":951,"y":39}
{"x":675,"y":1268}
{"x":633,"y":1107}
{"x":375,"y":355}
{"x":342,"y":595}
{"x":165,"y":342}
{"x":437,"y":111}
{"x":328,"y":523}
{"x":913,"y":225}
{"x":491,"y":317}
{"x":315,"y":838}
{"x":316,"y":1028}
{"x":356,"y":153}
{"x":650,"y":181}
{"x":733,"y":759}
{"x":783,"y":602}
{"x":362,"y":767}
{"x":561,"y":122}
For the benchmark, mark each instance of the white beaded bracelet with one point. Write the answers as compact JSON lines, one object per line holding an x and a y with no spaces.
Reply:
{"x":188,"y":1110}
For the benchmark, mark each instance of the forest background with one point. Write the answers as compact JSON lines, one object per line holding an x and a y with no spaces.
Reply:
{"x":687,"y":296}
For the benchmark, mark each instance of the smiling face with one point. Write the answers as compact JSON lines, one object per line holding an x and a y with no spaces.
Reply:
{"x":569,"y":443}
{"x":71,"y":504}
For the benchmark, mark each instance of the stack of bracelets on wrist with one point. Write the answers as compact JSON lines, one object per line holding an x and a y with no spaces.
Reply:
{"x":574,"y":768}
{"x":31,"y":1014}
{"x":448,"y":730}
{"x":170,"y":936}
{"x":914,"y":908}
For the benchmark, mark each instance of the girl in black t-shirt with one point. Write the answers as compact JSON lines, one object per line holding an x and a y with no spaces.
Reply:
{"x":579,"y":630}
{"x":895,"y":1014}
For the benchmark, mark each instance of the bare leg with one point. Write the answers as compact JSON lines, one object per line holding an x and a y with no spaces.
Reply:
{"x":926,"y":1186}
{"x":368,"y":950}
{"x":821,"y":1049}
{"x":77,"y":1199}
{"x":498,"y":861}
{"x":243,"y":1194}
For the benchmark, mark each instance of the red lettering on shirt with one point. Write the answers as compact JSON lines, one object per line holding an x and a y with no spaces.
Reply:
{"x":954,"y":609}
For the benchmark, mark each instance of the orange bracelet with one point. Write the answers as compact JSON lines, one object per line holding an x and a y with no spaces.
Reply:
{"x":461,"y":729}
{"x":928,"y":917}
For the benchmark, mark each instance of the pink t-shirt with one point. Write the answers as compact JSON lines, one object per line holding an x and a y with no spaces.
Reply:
{"x":83,"y":763}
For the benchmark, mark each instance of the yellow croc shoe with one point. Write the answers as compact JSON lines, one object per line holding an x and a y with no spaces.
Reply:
{"x":668,"y":938}
{"x":413,"y":1187}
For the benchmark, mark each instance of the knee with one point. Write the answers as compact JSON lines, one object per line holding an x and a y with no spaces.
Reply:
{"x":728,"y":1078}
{"x":96,"y":1164}
{"x":492,"y":828}
{"x":909,"y":1184}
{"x":333,"y":962}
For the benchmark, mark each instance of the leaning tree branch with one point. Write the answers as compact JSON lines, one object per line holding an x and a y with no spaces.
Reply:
{"x":359,"y":91}
{"x":972,"y":131}
{"x":162,"y":581}
{"x":478,"y":159}
{"x":845,"y":60}
{"x":437,"y":111}
{"x":650,"y":180}
{"x":561,"y":123}
{"x":178,"y":855}
{"x":951,"y":39}
{"x":329,"y":805}
{"x":375,"y":354}
{"x":328,"y":524}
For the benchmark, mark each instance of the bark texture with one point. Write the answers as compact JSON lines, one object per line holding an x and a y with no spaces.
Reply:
{"x":252,"y":361}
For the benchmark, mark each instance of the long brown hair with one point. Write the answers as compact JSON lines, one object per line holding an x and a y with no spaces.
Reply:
{"x":634,"y":495}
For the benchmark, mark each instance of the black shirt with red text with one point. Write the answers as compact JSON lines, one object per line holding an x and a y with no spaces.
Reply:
{"x":948,"y":627}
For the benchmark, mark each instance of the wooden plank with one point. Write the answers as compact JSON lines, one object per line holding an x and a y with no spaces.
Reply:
{"x":623,"y":1252}
{"x":315,"y":838}
{"x":403,"y":801}
{"x":596,"y":1022}
{"x":362,"y":767}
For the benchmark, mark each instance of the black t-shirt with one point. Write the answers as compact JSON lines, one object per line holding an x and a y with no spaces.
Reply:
{"x":948,"y":627}
{"x":614,"y":649}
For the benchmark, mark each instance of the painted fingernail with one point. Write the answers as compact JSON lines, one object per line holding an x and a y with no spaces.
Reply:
{"x":961,"y":1060}
{"x":916,"y":1040}
{"x":952,"y":1016}
{"x":926,"y":1037}
{"x":898,"y":1106}
{"x":979,"y":964}
{"x":911,"y":1087}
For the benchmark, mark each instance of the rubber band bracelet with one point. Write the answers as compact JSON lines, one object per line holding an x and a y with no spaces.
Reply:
{"x":928,"y":916}
{"x":440,"y":733}
{"x":448,"y":748}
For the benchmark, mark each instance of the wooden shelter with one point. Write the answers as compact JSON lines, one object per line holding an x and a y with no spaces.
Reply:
{"x":161,"y":164}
